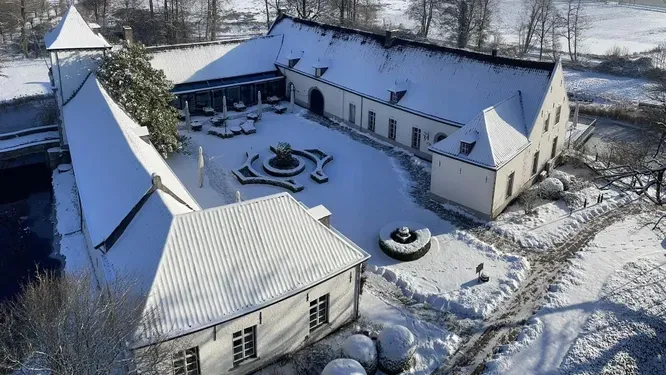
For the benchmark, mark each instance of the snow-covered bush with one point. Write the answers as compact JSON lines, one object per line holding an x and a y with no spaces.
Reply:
{"x":415,"y":246}
{"x":573,"y":200}
{"x":551,"y":188}
{"x":564,"y":178}
{"x":362,"y":349}
{"x":343,"y":366}
{"x":529,"y":199}
{"x":395,"y":348}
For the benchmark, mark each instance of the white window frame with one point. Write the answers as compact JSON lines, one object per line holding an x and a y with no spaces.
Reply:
{"x":352,"y":113}
{"x":186,"y":362}
{"x":558,"y":114}
{"x":546,"y":123}
{"x":465,"y":148}
{"x":392,"y":128}
{"x":394,"y":97}
{"x":319,"y":312}
{"x":553,"y":150}
{"x":416,"y":138}
{"x":509,"y":184}
{"x":244,"y":344}
{"x":535,"y":163}
{"x":372,"y":118}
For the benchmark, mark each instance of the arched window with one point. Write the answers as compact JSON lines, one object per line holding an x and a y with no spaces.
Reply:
{"x":439,"y":137}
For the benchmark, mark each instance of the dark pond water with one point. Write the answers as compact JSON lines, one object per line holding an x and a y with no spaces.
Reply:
{"x":26,"y":229}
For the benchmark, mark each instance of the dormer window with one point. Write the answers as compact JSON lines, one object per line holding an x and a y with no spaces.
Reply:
{"x":293,"y":58}
{"x":320,"y":67}
{"x":293,"y":62}
{"x":398,"y":90}
{"x":466,"y":147}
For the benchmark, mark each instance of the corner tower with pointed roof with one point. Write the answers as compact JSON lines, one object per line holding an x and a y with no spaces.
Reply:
{"x":75,"y":50}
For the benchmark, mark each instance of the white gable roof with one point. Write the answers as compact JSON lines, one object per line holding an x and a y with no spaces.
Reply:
{"x":113,"y":164}
{"x":201,"y":62}
{"x":451,"y":85}
{"x":498,"y":134}
{"x":72,"y":32}
{"x":214,"y":265}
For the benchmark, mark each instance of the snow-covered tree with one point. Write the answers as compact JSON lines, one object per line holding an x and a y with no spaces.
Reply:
{"x":144,"y":93}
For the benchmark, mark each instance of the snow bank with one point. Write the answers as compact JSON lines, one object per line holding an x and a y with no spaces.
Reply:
{"x":343,"y":366}
{"x":395,"y":347}
{"x":361,"y":348}
{"x":24,"y":78}
{"x":73,"y":245}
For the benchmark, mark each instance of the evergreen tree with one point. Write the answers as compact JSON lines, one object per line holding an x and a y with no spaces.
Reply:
{"x":144,"y":94}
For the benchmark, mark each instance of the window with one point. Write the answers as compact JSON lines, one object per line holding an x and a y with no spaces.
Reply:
{"x":320,"y":71}
{"x":546,"y":123}
{"x":465,"y":148}
{"x":186,"y":362}
{"x":416,"y":138}
{"x":394,"y":97}
{"x":509,"y":184}
{"x":352,"y":113}
{"x":535,"y":163}
{"x":371,"y":121}
{"x":293,"y":62}
{"x":553,"y":152}
{"x":318,"y":312}
{"x":558,"y":112}
{"x":392,"y":128}
{"x":245,"y":344}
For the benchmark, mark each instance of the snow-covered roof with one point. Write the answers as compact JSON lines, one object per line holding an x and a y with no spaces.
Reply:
{"x":448,"y":84}
{"x":113,"y":165}
{"x":73,"y":32}
{"x":498,"y":133}
{"x":210,"y":266}
{"x":208,"y":61}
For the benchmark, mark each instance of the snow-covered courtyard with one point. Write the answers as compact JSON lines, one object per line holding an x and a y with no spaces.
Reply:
{"x":367,"y":190}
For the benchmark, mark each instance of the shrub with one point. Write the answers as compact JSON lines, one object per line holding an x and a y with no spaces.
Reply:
{"x":551,"y":188}
{"x":284,"y":155}
{"x":563,"y":177}
{"x":529,"y":199}
{"x":343,"y":366}
{"x":361,"y":349}
{"x":395,"y":347}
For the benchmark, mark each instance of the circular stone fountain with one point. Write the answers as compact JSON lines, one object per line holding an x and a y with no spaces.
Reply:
{"x":274,"y":170}
{"x":405,"y":241}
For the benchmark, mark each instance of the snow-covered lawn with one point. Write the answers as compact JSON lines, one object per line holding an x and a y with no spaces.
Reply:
{"x":367,"y":190}
{"x":72,"y":242}
{"x":23,"y":77}
{"x":605,"y":312}
{"x":552,"y":222}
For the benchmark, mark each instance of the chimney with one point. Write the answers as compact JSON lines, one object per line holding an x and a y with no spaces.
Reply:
{"x":494,"y":52}
{"x":127,"y":34}
{"x":322,"y":214}
{"x":388,"y":38}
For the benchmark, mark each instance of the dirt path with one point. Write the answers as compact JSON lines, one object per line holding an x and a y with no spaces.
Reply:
{"x":503,"y":326}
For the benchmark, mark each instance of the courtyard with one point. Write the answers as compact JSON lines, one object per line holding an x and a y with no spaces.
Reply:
{"x":367,"y":189}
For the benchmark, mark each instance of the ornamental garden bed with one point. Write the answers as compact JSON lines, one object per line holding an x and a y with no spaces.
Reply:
{"x":405,"y":241}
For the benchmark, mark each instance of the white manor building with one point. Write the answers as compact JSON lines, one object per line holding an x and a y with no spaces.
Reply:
{"x":489,"y":124}
{"x":231,"y":288}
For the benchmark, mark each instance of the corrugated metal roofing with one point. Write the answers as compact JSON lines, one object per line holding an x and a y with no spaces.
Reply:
{"x":113,"y":165}
{"x":72,"y":32}
{"x":218,"y":60}
{"x":499,"y":133}
{"x":216,"y":264}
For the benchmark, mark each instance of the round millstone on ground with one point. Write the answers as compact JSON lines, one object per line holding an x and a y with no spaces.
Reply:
{"x":404,"y":240}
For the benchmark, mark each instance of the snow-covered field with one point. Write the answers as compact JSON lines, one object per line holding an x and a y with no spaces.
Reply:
{"x":637,"y":28}
{"x":22,"y":78}
{"x":367,"y":190}
{"x":605,"y":87}
{"x":604,"y":315}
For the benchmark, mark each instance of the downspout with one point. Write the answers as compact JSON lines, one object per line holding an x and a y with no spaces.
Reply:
{"x":357,"y":290}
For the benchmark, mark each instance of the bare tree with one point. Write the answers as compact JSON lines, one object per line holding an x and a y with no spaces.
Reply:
{"x":457,"y":16}
{"x":546,"y":23}
{"x":308,"y":9}
{"x":64,"y":325}
{"x":529,"y":23}
{"x":575,"y":24}
{"x":422,"y":11}
{"x":485,"y":11}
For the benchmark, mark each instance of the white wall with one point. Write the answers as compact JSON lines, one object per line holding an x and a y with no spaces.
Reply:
{"x":540,"y":141}
{"x":281,"y":328}
{"x":462,"y":183}
{"x":336,"y":104}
